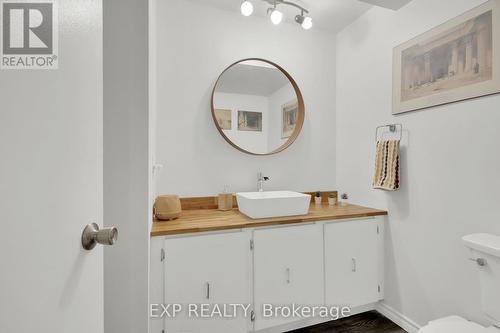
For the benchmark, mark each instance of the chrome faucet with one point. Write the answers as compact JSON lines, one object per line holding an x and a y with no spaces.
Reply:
{"x":260,"y":181}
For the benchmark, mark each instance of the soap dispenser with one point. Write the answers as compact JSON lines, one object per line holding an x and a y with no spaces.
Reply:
{"x":225,"y":200}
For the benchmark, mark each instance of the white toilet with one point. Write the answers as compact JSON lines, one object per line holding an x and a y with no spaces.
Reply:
{"x":485,"y":250}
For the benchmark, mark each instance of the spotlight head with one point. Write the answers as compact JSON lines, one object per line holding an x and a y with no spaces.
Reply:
{"x":307,"y":23}
{"x":276,"y":16}
{"x":246,"y":8}
{"x":299,"y":19}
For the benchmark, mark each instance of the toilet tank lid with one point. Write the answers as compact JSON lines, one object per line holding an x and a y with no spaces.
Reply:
{"x":485,"y":243}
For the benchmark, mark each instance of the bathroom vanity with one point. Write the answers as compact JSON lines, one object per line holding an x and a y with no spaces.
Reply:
{"x":332,"y":256}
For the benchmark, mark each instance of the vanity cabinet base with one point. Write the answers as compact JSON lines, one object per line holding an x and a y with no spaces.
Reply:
{"x":325,"y":264}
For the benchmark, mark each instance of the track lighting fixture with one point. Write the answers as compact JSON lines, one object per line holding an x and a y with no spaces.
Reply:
{"x":276,"y":15}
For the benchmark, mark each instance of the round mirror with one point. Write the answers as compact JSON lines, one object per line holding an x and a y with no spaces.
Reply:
{"x":257,"y":107}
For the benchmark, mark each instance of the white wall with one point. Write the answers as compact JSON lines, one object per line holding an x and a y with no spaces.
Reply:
{"x":195,"y":43}
{"x":126,"y":165}
{"x":253,"y":141}
{"x":450,"y":165}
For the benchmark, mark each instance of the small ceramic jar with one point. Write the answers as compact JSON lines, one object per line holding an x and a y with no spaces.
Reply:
{"x":317,"y":198}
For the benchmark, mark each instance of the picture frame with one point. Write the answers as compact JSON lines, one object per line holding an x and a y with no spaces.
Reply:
{"x":455,"y":61}
{"x":289,"y":117}
{"x":250,"y":121}
{"x":224,"y":118}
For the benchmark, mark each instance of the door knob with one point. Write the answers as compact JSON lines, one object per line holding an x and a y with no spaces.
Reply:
{"x":92,"y":236}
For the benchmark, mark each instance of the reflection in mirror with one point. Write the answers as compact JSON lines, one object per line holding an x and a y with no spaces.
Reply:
{"x":257,"y":107}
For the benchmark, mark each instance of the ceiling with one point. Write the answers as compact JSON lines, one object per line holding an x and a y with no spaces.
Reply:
{"x":252,"y":79}
{"x":391,"y":4}
{"x":331,"y":15}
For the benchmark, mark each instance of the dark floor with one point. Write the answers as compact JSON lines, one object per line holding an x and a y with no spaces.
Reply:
{"x":369,"y":322}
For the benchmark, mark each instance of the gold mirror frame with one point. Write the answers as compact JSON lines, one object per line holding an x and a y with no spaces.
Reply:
{"x":300,"y":100}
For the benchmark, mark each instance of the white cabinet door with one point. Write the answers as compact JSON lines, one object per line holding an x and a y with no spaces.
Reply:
{"x":353,"y":262}
{"x":288,"y":269}
{"x":208,"y":269}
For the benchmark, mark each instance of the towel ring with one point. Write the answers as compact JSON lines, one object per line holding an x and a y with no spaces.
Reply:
{"x":392,"y":128}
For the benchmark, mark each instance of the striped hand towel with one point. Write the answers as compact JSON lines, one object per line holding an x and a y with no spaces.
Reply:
{"x":387,"y":166}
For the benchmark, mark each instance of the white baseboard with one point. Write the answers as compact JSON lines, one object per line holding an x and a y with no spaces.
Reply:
{"x":398,"y":318}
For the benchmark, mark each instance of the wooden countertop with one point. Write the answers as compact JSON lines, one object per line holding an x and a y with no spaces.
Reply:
{"x":202,"y":220}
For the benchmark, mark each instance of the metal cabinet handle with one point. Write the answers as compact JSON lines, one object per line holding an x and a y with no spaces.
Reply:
{"x":208,"y":290}
{"x":92,"y":236}
{"x":288,"y":279}
{"x":354,"y":265}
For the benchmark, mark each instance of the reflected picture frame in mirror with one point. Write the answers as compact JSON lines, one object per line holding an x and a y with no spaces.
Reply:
{"x":289,"y":118}
{"x":290,"y":133}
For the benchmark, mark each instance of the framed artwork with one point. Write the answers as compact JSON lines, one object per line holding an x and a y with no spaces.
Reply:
{"x":289,"y":115}
{"x":223,"y":118}
{"x":250,"y":121}
{"x":457,"y":60}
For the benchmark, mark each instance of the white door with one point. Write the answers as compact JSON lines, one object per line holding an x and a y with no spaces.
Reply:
{"x":210,"y":269}
{"x":353,"y":251}
{"x":288,"y":269}
{"x":50,"y":183}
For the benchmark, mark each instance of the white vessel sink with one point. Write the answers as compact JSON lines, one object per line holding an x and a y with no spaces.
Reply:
{"x":258,"y":205}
